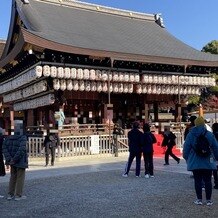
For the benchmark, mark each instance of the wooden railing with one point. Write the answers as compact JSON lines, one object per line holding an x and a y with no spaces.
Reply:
{"x":79,"y":145}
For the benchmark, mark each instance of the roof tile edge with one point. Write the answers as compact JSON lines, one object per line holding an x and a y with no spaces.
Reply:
{"x":102,"y":9}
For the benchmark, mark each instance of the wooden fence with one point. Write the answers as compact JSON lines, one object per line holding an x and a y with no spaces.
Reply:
{"x":71,"y":146}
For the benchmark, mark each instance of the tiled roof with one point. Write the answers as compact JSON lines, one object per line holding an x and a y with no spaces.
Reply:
{"x":95,"y":27}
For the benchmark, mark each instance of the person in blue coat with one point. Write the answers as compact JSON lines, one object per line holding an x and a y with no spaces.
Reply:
{"x":201,"y":167}
{"x":134,"y":142}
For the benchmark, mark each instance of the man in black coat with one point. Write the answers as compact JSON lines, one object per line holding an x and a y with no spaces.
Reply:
{"x":134,"y":137}
{"x":51,"y":142}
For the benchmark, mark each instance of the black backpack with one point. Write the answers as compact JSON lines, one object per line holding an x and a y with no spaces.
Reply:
{"x":202,"y":146}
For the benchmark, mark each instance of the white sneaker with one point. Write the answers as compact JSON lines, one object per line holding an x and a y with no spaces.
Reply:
{"x":125,"y":175}
{"x":1,"y":196}
{"x":152,"y":176}
{"x":10,"y":197}
{"x":198,"y":202}
{"x":18,"y":198}
{"x":146,"y":176}
{"x":209,"y":203}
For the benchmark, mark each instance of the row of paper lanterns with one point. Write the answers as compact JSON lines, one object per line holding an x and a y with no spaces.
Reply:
{"x":19,"y":81}
{"x":86,"y":74}
{"x":101,"y":75}
{"x":167,"y":89}
{"x":35,"y":103}
{"x":80,"y":85}
{"x":175,"y":79}
{"x":26,"y":92}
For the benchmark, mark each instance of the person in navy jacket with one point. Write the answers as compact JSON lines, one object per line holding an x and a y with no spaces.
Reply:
{"x":201,"y":167}
{"x":134,"y":142}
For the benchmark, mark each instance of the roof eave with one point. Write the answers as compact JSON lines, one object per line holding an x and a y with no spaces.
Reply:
{"x":48,"y":44}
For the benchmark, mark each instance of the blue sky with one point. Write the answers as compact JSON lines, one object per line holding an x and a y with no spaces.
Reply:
{"x":192,"y":21}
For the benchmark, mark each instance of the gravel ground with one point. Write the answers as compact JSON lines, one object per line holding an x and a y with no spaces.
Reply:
{"x":107,"y":194}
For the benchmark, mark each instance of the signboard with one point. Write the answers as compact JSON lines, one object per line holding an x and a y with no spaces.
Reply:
{"x":94,"y":144}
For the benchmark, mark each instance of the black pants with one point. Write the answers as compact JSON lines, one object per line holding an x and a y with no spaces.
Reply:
{"x":215,"y":176}
{"x":170,"y":153}
{"x":49,"y":150}
{"x":133,"y":155}
{"x":148,"y":161}
{"x":205,"y":176}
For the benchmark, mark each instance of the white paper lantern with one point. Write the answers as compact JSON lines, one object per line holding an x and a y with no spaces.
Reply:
{"x":111,"y":88}
{"x":38,"y":71}
{"x":86,"y":74}
{"x":73,"y":73}
{"x":53,"y":72}
{"x":163,"y":89}
{"x":160,"y":79}
{"x":80,"y":74}
{"x":98,"y":74}
{"x":115,"y":88}
{"x":126,"y":77}
{"x":199,"y":80}
{"x":67,"y":73}
{"x":154,"y":89}
{"x":145,"y":78}
{"x":75,"y":85}
{"x":92,"y":74}
{"x":46,"y":71}
{"x":137,"y":78}
{"x":93,"y":86}
{"x":110,"y":75}
{"x":131,"y":77}
{"x":158,"y":89}
{"x":69,"y":85}
{"x":155,"y":79}
{"x":130,"y":88}
{"x":88,"y":86}
{"x":125,"y":88}
{"x":99,"y":86}
{"x":120,"y":87}
{"x":63,"y":84}
{"x":144,"y":89}
{"x":149,"y":89}
{"x":56,"y":84}
{"x":172,"y":90}
{"x":189,"y":90}
{"x":164,"y":79}
{"x":121,"y":76}
{"x":104,"y":87}
{"x":81,"y":85}
{"x":104,"y":75}
{"x":60,"y":72}
{"x":115,"y":76}
{"x":150,"y":79}
{"x":195,"y":81}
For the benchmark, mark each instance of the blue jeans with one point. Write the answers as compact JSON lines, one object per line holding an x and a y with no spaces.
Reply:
{"x":205,"y":176}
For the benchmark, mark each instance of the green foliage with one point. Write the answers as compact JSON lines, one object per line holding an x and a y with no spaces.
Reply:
{"x":194,"y":100}
{"x":211,"y":47}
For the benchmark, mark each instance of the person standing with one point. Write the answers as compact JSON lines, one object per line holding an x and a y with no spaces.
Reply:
{"x":169,"y":142}
{"x":134,"y":142}
{"x":215,"y":177}
{"x":148,"y":139}
{"x":2,"y":164}
{"x":201,"y":166}
{"x":15,"y":153}
{"x":51,"y":142}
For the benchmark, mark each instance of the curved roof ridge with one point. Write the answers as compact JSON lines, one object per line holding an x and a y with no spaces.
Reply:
{"x":101,"y":9}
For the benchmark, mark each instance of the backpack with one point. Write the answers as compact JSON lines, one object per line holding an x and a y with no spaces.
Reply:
{"x":202,"y":146}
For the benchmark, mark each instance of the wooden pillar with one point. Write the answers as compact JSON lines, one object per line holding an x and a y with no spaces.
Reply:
{"x":155,"y":106}
{"x":146,"y":114}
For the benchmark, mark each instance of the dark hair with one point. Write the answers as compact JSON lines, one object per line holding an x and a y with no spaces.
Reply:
{"x":215,"y":127}
{"x":146,"y":127}
{"x":135,"y":125}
